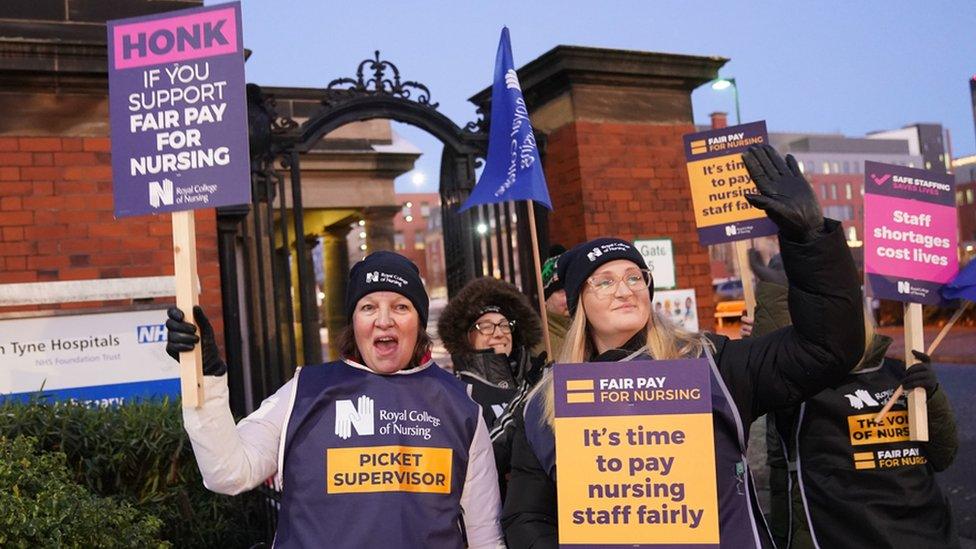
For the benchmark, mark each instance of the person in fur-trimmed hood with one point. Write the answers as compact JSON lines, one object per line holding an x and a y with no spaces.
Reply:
{"x":489,"y":328}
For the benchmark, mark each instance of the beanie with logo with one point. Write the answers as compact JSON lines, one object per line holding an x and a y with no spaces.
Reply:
{"x":576,"y":265}
{"x":387,"y":272}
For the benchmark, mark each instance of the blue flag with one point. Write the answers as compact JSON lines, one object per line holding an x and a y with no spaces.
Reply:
{"x":963,"y":285}
{"x":513,"y":170}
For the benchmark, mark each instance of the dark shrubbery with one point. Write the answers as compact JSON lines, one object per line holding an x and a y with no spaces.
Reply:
{"x":138,"y":454}
{"x":41,"y":506}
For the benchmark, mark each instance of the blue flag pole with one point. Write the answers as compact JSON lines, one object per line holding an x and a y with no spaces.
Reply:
{"x":513,"y":169}
{"x":537,"y":264}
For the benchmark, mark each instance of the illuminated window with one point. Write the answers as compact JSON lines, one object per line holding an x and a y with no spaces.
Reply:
{"x":398,"y":242}
{"x":848,"y":193}
{"x":418,"y":245}
{"x":425,"y":209}
{"x":826,"y":167}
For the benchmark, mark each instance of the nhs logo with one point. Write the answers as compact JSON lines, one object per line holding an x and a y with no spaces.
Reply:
{"x":904,"y":287}
{"x":730,"y":230}
{"x":359,"y":417}
{"x":161,"y":194}
{"x":151,"y":333}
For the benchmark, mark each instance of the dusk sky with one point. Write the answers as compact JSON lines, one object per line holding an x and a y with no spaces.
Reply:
{"x":848,"y":67}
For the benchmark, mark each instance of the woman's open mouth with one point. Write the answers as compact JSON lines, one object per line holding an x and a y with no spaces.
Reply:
{"x":385,"y":345}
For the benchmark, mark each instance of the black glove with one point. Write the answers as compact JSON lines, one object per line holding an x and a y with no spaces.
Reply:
{"x":921,"y":375}
{"x":181,"y":337}
{"x":784,"y":194}
{"x":766,"y":273}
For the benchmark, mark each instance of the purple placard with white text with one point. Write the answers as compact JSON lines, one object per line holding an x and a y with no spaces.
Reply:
{"x":178,"y":111}
{"x":910,"y":232}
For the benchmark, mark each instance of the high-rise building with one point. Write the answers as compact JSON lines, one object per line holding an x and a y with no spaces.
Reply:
{"x":965,"y":172}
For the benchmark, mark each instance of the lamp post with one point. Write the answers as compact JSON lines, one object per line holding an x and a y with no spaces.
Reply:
{"x":720,"y":84}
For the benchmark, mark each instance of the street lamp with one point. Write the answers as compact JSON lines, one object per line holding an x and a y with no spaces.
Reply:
{"x":720,"y":84}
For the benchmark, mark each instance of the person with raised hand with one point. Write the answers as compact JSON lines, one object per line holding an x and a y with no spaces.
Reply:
{"x":382,"y":448}
{"x":609,"y":298}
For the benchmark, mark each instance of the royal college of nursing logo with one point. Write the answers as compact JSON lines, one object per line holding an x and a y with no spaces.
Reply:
{"x":512,"y":81}
{"x":595,"y":253}
{"x":860,"y":399}
{"x":359,"y":417}
{"x":377,"y":276}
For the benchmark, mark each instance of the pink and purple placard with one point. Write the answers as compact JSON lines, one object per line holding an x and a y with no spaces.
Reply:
{"x":178,"y":111}
{"x":910,"y":232}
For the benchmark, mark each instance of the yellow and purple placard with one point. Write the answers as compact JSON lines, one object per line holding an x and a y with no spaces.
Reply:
{"x":178,"y":111}
{"x":910,"y":232}
{"x":635,"y":454}
{"x":719,"y":183}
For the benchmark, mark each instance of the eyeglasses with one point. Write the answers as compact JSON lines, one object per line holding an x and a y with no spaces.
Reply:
{"x":488,"y":328}
{"x":605,"y":285}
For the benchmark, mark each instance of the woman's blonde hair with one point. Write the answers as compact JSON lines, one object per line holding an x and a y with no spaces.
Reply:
{"x":664,"y":341}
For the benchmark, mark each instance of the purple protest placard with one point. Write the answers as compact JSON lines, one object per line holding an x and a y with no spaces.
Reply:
{"x":719,"y":184}
{"x":178,"y":111}
{"x":911,"y":232}
{"x":635,"y":449}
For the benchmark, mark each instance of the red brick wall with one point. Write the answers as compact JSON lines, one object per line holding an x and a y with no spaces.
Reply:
{"x":629,"y":181}
{"x":56,"y":223}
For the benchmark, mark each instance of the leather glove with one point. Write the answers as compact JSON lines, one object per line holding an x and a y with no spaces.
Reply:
{"x":784,"y":194}
{"x":181,"y":337}
{"x":766,"y":273}
{"x":921,"y":375}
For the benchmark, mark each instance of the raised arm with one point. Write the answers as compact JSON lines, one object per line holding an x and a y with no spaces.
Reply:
{"x":827,"y":336}
{"x":232,"y":459}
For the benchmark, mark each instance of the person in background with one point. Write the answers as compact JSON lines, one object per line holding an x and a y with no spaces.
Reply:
{"x":385,"y":401}
{"x":489,"y":328}
{"x":827,"y":491}
{"x":557,"y":314}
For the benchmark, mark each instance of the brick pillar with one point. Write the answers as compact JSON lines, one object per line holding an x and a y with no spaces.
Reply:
{"x":614,"y":157}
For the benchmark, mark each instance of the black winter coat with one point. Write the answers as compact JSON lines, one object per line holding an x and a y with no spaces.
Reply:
{"x":764,"y":373}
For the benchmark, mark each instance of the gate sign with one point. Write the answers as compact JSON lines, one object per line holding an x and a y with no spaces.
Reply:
{"x":178,"y":111}
{"x":100,"y":359}
{"x":635,"y":453}
{"x":910,"y":232}
{"x":720,"y":183}
{"x":659,"y":255}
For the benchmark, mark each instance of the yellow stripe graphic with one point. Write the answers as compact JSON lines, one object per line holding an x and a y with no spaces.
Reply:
{"x":579,"y":398}
{"x":579,"y":385}
{"x":863,"y":455}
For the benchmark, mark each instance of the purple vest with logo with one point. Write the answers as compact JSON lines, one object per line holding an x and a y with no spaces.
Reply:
{"x":374,"y":460}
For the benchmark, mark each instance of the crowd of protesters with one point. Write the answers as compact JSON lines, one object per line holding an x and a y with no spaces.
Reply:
{"x":481,"y":472}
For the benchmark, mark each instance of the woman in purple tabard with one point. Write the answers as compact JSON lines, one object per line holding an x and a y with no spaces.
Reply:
{"x":380,"y":449}
{"x":609,"y":289}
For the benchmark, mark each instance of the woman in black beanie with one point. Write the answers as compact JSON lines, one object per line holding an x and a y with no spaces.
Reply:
{"x":383,"y":434}
{"x":609,"y":289}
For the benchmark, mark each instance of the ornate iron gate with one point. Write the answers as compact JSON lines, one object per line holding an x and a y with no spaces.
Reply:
{"x":261,"y":340}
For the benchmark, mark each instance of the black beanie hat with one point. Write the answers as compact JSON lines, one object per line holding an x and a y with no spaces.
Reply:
{"x":387,"y":272}
{"x":576,"y":265}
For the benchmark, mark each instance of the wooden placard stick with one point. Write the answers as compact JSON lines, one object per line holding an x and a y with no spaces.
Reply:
{"x":537,"y":265}
{"x":745,"y":272}
{"x":918,"y":415}
{"x":185,"y":261}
